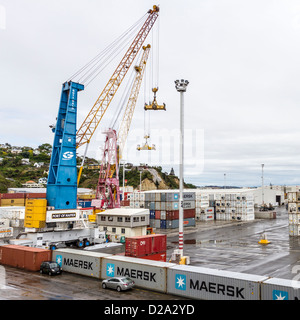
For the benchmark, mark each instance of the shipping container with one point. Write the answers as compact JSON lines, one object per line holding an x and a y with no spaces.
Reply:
{"x":13,"y":196}
{"x":157,"y":214}
{"x":35,"y":196}
{"x":138,"y":246}
{"x":159,"y":243}
{"x":280,"y":289}
{"x":12,"y":202}
{"x":213,"y":284}
{"x":174,"y":215}
{"x":152,"y":214}
{"x":162,"y":256}
{"x":163,"y":224}
{"x":173,"y":224}
{"x":82,"y":262}
{"x":36,"y":203}
{"x":23,"y":257}
{"x":163,"y":215}
{"x":145,"y":245}
{"x":151,"y":275}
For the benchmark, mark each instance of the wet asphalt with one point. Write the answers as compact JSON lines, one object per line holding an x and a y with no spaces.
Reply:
{"x":224,"y":245}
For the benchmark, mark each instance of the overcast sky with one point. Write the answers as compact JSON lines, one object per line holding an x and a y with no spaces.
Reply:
{"x":240,"y":57}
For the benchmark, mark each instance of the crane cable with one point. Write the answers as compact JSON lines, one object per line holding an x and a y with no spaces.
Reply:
{"x":94,"y":67}
{"x":124,"y":99}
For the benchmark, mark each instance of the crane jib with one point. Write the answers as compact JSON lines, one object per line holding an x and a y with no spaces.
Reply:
{"x":91,"y":122}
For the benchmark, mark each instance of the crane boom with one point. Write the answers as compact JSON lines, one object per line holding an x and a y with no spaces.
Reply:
{"x":95,"y":115}
{"x":128,"y":114}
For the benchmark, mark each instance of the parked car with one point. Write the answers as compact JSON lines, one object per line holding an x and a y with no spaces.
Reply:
{"x":50,"y":267}
{"x":118,"y":283}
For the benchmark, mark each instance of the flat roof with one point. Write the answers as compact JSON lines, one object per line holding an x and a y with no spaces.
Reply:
{"x":124,"y":212}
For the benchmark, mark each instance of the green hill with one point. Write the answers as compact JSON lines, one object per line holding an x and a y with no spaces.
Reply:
{"x":21,"y":164}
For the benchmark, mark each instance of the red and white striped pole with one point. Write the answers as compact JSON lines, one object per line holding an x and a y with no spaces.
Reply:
{"x":181,"y":87}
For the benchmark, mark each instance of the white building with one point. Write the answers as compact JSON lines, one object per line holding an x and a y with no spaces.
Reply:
{"x":123,"y":222}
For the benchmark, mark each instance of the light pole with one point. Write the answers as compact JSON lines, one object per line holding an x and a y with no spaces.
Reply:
{"x":224,"y":180}
{"x":124,"y":177}
{"x":180,"y":86}
{"x":262,"y":184}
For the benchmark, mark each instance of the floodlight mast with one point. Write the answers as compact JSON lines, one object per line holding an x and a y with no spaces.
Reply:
{"x":181,"y":86}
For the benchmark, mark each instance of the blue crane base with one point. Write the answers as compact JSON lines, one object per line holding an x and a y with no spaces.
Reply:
{"x":62,"y":178}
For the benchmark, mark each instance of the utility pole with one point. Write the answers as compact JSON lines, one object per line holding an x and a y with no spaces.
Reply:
{"x":180,"y":86}
{"x":224,"y":180}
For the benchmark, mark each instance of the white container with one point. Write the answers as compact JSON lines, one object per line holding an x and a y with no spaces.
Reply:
{"x":82,"y":262}
{"x":142,"y":196}
{"x":292,"y":207}
{"x":291,"y":230}
{"x":280,"y":289}
{"x":148,"y":274}
{"x":292,"y":197}
{"x":212,"y":284}
{"x":218,"y":196}
{"x":157,"y":205}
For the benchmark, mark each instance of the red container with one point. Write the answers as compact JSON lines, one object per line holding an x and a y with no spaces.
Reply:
{"x":174,"y":215}
{"x":13,"y":195}
{"x":162,"y":256}
{"x":145,"y":245}
{"x":138,"y":246}
{"x":125,"y":203}
{"x":159,"y":242}
{"x":189,"y":213}
{"x":24,"y":257}
{"x":157,"y":214}
{"x":36,"y":195}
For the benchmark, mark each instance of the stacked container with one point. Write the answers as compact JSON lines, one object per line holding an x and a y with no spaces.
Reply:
{"x":136,"y":200}
{"x":35,"y":213}
{"x":18,"y":199}
{"x":294,"y":212}
{"x":151,"y":247}
{"x":234,"y":206}
{"x":164,"y":208}
{"x":12,"y":199}
{"x":204,"y":206}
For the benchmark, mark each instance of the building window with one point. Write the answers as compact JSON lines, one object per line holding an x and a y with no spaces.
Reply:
{"x":136,"y":219}
{"x":104,"y":228}
{"x":110,"y":219}
{"x":143,"y":218}
{"x":120,"y":219}
{"x":127,"y":219}
{"x":113,"y":230}
{"x":122,"y":230}
{"x":103,"y":218}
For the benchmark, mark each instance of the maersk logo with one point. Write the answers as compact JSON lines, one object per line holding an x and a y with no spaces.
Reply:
{"x":110,"y":270}
{"x":59,"y":259}
{"x":280,"y":295}
{"x":180,"y":282}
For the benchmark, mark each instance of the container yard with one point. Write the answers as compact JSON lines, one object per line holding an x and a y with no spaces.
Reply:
{"x":92,"y":208}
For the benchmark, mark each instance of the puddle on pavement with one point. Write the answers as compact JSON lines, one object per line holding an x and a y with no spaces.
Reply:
{"x":194,"y":241}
